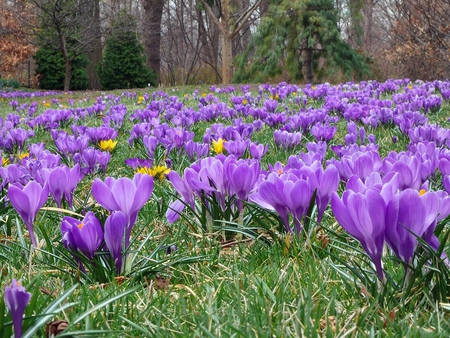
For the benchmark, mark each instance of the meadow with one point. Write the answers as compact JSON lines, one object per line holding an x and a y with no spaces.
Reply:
{"x":264,"y":211}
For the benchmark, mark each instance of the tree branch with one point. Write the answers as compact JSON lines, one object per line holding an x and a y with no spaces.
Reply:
{"x":240,"y":22}
{"x":211,"y":13}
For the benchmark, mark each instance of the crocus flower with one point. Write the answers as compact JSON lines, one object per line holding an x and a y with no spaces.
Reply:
{"x":124,"y":194}
{"x":242,"y":177}
{"x":107,"y":145}
{"x":217,"y":146}
{"x":236,"y":148}
{"x":362,"y":215}
{"x":16,"y":300}
{"x":286,"y":193}
{"x":85,"y":236}
{"x":188,"y":186}
{"x":185,"y":190}
{"x":196,"y":150}
{"x":328,"y":181}
{"x":62,"y":182}
{"x":27,"y":200}
{"x":443,"y":212}
{"x":159,"y":172}
{"x":409,"y":214}
{"x":115,"y":226}
{"x":257,"y":151}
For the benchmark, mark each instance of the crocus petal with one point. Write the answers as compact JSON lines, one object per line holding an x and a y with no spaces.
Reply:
{"x":103,"y":194}
{"x":16,"y":300}
{"x":343,"y":217}
{"x":114,"y":234}
{"x":174,"y":211}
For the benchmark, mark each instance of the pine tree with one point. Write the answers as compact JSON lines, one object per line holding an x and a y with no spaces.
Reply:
{"x":302,"y":39}
{"x":51,"y":70}
{"x":123,"y":64}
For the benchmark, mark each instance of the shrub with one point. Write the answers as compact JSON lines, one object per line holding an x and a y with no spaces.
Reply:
{"x":51,"y":70}
{"x":9,"y":83}
{"x":123,"y":64}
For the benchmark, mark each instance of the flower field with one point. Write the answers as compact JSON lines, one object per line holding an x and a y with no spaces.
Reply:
{"x":276,"y":210}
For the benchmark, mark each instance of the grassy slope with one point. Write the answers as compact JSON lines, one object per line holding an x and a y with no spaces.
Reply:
{"x":300,"y":287}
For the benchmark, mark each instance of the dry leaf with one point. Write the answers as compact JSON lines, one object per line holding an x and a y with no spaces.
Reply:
{"x":55,"y":327}
{"x":161,"y":283}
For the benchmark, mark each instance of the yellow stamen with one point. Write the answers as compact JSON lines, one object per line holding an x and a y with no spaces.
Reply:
{"x":107,"y":145}
{"x":158,"y":172}
{"x":143,"y":170}
{"x":80,"y":226}
{"x":22,"y":156}
{"x":422,"y":192}
{"x":5,"y":161}
{"x":217,"y":146}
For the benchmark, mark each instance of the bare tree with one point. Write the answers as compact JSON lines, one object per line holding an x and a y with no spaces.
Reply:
{"x":420,"y":38}
{"x":153,"y":10}
{"x":209,"y":35}
{"x":181,"y":46}
{"x":229,"y":24}
{"x":15,"y":48}
{"x":93,"y":37}
{"x":62,"y":27}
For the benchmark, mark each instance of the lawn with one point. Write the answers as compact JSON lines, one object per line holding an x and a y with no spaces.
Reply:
{"x":263,"y":211}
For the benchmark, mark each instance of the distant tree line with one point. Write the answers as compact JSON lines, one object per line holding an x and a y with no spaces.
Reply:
{"x":78,"y":44}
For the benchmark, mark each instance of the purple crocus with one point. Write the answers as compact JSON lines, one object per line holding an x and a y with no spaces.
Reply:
{"x":242,"y":176}
{"x":186,"y":192}
{"x":27,"y":200}
{"x":328,"y":181}
{"x":62,"y":182}
{"x":115,"y":226}
{"x":285,"y":193}
{"x":443,"y":212}
{"x":124,"y":194}
{"x":16,"y":300}
{"x":186,"y":187}
{"x":408,"y":216}
{"x":85,"y":236}
{"x":362,"y":215}
{"x":257,"y":151}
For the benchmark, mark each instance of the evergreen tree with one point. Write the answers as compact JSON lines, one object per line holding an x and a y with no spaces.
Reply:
{"x":62,"y":26}
{"x":51,"y":70}
{"x":123,"y":64}
{"x":302,"y":39}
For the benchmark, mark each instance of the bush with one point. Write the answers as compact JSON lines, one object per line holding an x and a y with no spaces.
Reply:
{"x":9,"y":83}
{"x":123,"y":64}
{"x":51,"y":70}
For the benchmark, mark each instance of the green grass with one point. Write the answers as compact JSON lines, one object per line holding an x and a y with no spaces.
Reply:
{"x":317,"y":285}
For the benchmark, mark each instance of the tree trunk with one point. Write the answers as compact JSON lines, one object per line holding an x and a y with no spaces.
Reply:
{"x":210,"y":43}
{"x":93,"y":36}
{"x":368,"y":25}
{"x":67,"y":61}
{"x":308,"y":73}
{"x":153,"y":10}
{"x":228,"y":31}
{"x":227,"y":58}
{"x":242,"y":38}
{"x":68,"y":74}
{"x":227,"y":43}
{"x":264,"y":8}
